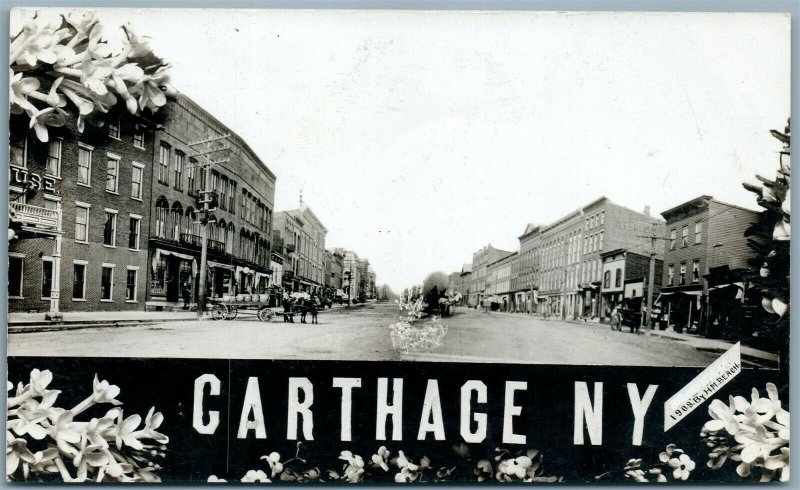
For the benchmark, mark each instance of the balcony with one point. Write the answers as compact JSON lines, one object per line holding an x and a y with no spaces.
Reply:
{"x":216,"y":246}
{"x":42,"y":219}
{"x":191,"y":239}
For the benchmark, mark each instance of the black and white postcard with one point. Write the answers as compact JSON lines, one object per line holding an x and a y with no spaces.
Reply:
{"x":379,"y":246}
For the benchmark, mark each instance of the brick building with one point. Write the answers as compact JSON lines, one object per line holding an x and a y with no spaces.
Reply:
{"x":570,"y":267}
{"x":304,"y":238}
{"x":100,"y":182}
{"x":334,"y":266}
{"x":480,"y":262}
{"x":498,"y":282}
{"x":529,"y":268}
{"x":705,"y":256}
{"x":194,"y":152}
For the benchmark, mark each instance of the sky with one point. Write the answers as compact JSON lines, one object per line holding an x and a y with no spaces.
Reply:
{"x":419,"y":137}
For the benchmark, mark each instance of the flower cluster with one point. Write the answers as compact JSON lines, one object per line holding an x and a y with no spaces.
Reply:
{"x":774,"y":233}
{"x":524,"y":466}
{"x":672,"y":462}
{"x":60,"y":60}
{"x":754,"y":433}
{"x":295,"y":469}
{"x":44,"y":441}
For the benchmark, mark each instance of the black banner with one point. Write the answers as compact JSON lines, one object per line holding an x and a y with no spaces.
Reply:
{"x":580,"y":420}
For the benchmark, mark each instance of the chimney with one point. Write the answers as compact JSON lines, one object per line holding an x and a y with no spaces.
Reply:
{"x":647,"y":210}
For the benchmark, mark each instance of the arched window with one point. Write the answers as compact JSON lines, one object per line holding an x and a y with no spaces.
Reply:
{"x":187,"y":222}
{"x":162,"y":212}
{"x":229,"y":245}
{"x":222,"y":233}
{"x":176,"y":221}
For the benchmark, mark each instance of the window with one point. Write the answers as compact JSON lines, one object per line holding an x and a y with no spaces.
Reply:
{"x":670,"y":275}
{"x":19,"y":152}
{"x":191,"y":185}
{"x":133,"y":235}
{"x":107,"y":283}
{"x":607,"y":279}
{"x":130,"y":285}
{"x":53,"y":165}
{"x":110,"y":229}
{"x":162,"y":211}
{"x":672,"y":235}
{"x":47,"y":277}
{"x":223,"y":195}
{"x":696,"y":271}
{"x":232,"y":198}
{"x":15,"y":274}
{"x":81,"y":222}
{"x":587,"y":224}
{"x":698,"y":232}
{"x":618,"y":278}
{"x":602,"y":217}
{"x":84,"y":164}
{"x":163,"y":163}
{"x":600,"y":245}
{"x":685,"y":236}
{"x":113,"y":127}
{"x":137,"y":173}
{"x":178,"y":167}
{"x":683,"y":273}
{"x":112,"y":174}
{"x":138,"y":136}
{"x":79,"y":280}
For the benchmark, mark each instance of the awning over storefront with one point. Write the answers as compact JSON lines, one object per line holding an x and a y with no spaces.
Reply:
{"x":161,"y":251}
{"x":739,"y":285}
{"x":219,"y":265}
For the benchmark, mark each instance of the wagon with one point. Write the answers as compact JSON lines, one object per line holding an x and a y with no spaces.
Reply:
{"x":230,"y":308}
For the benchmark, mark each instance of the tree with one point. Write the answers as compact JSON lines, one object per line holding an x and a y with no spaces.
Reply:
{"x":438,"y":279}
{"x":62,"y":66}
{"x":770,"y":238}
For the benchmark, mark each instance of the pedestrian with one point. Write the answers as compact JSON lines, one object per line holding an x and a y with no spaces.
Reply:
{"x":186,"y":295}
{"x":287,"y":308}
{"x":302,"y":304}
{"x":314,"y":309}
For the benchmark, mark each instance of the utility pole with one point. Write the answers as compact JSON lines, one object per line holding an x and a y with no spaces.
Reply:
{"x":651,"y":279}
{"x":207,"y":197}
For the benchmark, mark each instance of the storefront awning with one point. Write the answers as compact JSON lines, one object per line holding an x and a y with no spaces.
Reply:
{"x":739,"y":285}
{"x":161,"y":251}
{"x":219,"y":265}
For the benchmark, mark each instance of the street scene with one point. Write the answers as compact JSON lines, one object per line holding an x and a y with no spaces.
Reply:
{"x":363,"y":334}
{"x":132,"y":200}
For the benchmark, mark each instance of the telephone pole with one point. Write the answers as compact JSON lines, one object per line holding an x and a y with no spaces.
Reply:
{"x":207,"y":197}
{"x":651,"y":280}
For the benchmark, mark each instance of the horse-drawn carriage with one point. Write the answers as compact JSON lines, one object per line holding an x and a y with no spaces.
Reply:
{"x":229,"y":307}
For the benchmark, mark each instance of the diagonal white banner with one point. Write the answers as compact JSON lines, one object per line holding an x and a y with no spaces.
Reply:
{"x":703,"y":386}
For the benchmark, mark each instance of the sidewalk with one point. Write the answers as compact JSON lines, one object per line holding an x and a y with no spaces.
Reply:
{"x":100,"y":317}
{"x":696,"y":341}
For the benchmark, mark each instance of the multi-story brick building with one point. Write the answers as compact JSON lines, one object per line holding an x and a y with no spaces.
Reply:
{"x":498,"y":282}
{"x":334,"y":266}
{"x":529,"y":268}
{"x":480,"y":261}
{"x":304,"y":237}
{"x":571,"y":265}
{"x":705,"y":256}
{"x":99,"y":182}
{"x":195,"y":152}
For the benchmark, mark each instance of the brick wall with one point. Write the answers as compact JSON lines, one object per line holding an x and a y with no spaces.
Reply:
{"x":95,"y":194}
